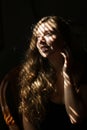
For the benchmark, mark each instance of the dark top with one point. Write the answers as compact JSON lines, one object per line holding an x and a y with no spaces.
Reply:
{"x":57,"y":118}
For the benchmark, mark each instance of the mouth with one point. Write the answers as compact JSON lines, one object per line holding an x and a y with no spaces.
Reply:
{"x":45,"y":48}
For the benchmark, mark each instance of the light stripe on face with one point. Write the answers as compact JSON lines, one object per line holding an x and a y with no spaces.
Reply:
{"x":45,"y":38}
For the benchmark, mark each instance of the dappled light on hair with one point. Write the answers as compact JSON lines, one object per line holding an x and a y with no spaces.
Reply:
{"x":46,"y":74}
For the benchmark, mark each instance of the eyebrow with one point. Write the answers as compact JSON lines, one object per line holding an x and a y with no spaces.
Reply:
{"x":47,"y":31}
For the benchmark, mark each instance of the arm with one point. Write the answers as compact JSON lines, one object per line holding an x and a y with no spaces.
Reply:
{"x":8,"y":118}
{"x":74,"y":104}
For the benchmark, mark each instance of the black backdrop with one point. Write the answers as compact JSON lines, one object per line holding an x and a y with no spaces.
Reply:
{"x":17,"y":17}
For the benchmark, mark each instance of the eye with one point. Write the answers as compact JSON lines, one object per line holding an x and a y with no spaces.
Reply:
{"x":38,"y":37}
{"x":48,"y":34}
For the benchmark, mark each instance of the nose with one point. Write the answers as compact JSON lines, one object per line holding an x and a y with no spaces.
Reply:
{"x":41,"y":38}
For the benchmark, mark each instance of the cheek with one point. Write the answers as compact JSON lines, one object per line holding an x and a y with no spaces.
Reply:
{"x":37,"y":45}
{"x":51,"y":40}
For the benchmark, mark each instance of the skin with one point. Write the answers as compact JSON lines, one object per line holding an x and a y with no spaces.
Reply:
{"x":50,"y":45}
{"x":45,"y":41}
{"x":47,"y":47}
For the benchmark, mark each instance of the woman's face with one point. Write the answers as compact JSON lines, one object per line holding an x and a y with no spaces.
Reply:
{"x":46,"y":38}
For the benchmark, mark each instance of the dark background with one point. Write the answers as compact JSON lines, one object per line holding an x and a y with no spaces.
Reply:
{"x":17,"y":18}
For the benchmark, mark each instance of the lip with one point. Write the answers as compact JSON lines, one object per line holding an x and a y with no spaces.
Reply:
{"x":44,"y":48}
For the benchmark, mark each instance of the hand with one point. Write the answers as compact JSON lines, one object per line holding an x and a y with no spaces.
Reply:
{"x":9,"y":119}
{"x":65,"y":61}
{"x":66,"y":76}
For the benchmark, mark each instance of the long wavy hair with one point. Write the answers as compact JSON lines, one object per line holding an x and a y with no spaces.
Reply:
{"x":37,"y":76}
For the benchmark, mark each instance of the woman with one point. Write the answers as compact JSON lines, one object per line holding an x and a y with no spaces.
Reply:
{"x":52,"y":74}
{"x":52,"y":80}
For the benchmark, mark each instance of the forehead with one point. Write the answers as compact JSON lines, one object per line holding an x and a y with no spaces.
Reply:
{"x":46,"y":26}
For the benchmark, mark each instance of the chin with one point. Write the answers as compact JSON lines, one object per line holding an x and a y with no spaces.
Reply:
{"x":45,"y":55}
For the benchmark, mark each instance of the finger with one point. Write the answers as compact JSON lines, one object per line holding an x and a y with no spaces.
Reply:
{"x":9,"y":119}
{"x":65,"y":60}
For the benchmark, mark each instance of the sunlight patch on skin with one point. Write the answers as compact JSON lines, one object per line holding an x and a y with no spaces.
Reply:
{"x":40,"y":30}
{"x":66,"y":83}
{"x":73,"y":111}
{"x":66,"y":80}
{"x":48,"y":29}
{"x":72,"y":119}
{"x":46,"y":33}
{"x":9,"y":119}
